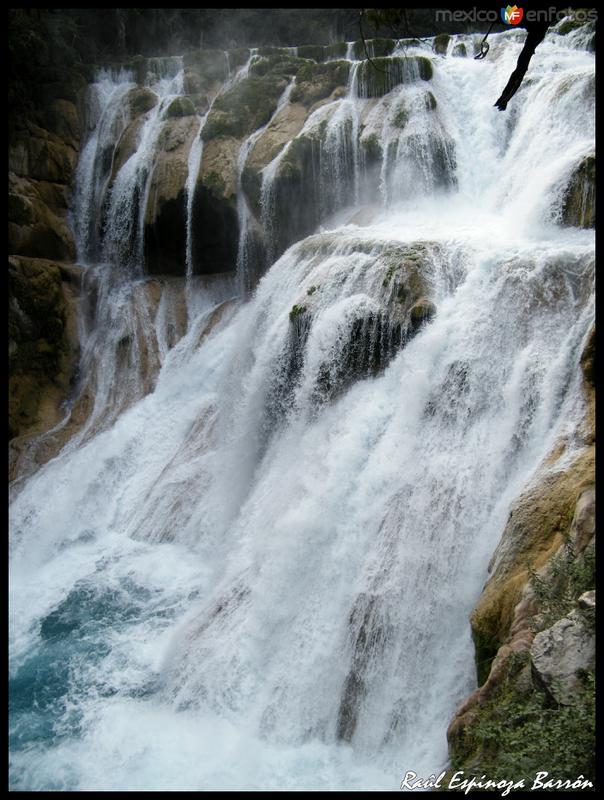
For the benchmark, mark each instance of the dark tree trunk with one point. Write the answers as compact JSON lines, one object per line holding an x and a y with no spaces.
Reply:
{"x":536,"y":34}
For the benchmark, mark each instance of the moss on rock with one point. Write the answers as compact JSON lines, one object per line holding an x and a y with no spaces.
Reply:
{"x":579,"y":204}
{"x":441,"y":43}
{"x":316,"y":81}
{"x":245,"y":108}
{"x":379,"y":76}
{"x":180,"y":107}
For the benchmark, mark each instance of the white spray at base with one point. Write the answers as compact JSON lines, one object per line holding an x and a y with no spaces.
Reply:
{"x":250,"y":582}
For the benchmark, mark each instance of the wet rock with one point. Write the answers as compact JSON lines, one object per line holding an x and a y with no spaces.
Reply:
{"x":245,"y":108}
{"x":421,"y":312}
{"x":283,"y":128}
{"x":579,"y":204}
{"x":215,"y":202}
{"x":180,"y":107}
{"x":317,"y":81}
{"x":441,"y":44}
{"x":381,"y":75}
{"x":140,"y":100}
{"x":165,"y":216}
{"x":460,"y":50}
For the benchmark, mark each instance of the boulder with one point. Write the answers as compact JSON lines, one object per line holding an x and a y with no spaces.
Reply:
{"x":441,"y":44}
{"x":180,"y":107}
{"x":140,"y":100}
{"x":561,"y":653}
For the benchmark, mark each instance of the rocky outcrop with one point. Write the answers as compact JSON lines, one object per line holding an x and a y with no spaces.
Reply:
{"x":214,"y":242}
{"x":562,"y":653}
{"x":41,"y":167}
{"x":579,"y":202}
{"x":166,"y":211}
{"x":533,"y":623}
{"x":43,"y":345}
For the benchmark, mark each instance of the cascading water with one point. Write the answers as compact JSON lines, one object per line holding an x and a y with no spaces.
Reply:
{"x":260,"y":574}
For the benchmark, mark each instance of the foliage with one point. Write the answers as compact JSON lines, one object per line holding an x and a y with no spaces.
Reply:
{"x":568,"y":576}
{"x":518,"y":734}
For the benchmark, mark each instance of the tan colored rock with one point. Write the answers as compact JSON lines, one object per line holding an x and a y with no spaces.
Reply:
{"x":560,"y":653}
{"x":171,"y":168}
{"x":219,"y":166}
{"x":62,"y":119}
{"x":38,"y":155}
{"x":537,"y":523}
{"x":285,"y":126}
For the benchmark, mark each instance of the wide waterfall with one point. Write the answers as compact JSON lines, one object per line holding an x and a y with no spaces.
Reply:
{"x":252,"y":565}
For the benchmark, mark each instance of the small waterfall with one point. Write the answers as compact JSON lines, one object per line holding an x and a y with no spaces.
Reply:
{"x":107,"y":117}
{"x":127,"y":202}
{"x":244,"y":257}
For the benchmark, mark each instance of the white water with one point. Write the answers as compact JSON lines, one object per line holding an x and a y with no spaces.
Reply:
{"x":243,"y":583}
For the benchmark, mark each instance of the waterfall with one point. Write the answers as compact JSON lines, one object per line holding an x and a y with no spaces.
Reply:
{"x":244,"y":267}
{"x":253,"y":567}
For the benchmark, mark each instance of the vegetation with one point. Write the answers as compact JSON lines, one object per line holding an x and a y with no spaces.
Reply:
{"x":296,"y":311}
{"x":519,"y":733}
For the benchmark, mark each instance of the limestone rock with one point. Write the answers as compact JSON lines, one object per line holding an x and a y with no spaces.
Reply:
{"x":215,"y":242}
{"x":579,"y":205}
{"x":180,"y":107}
{"x":165,"y":214}
{"x":560,"y":653}
{"x":538,"y":521}
{"x":421,"y":312}
{"x":317,"y":81}
{"x":140,"y":100}
{"x":40,"y":344}
{"x":441,"y":43}
{"x":283,"y":128}
{"x":244,"y":108}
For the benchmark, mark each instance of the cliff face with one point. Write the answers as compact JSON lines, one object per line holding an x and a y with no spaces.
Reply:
{"x":43,"y":343}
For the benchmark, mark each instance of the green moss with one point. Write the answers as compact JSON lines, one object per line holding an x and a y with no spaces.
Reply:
{"x":214,"y":183}
{"x":430,"y":101}
{"x":519,"y":733}
{"x":296,"y":311}
{"x":281,"y":66}
{"x":377,"y":48}
{"x":372,"y":147}
{"x":380,"y":75}
{"x":579,"y":207}
{"x":244,"y":108}
{"x":401,"y":118}
{"x":312,"y":290}
{"x":460,"y":51}
{"x":238,"y":57}
{"x":485,"y":650}
{"x":317,"y":81}
{"x":180,"y":107}
{"x":441,"y":43}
